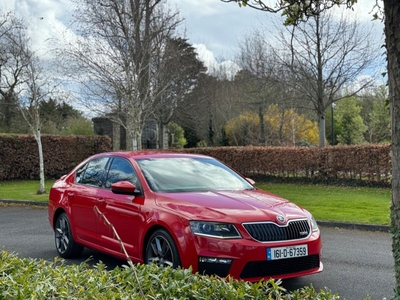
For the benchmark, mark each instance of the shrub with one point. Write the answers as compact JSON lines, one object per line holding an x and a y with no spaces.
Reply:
{"x":41,"y":279}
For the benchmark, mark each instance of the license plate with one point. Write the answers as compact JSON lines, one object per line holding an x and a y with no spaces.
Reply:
{"x":287,"y":252}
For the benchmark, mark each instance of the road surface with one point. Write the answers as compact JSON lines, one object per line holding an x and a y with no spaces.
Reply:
{"x":357,"y":263}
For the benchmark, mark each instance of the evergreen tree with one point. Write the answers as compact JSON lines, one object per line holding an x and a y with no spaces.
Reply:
{"x":178,"y":134}
{"x":380,"y":122}
{"x":350,"y":123}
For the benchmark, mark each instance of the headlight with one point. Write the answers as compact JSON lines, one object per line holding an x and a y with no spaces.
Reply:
{"x":314,"y":225}
{"x":214,"y":229}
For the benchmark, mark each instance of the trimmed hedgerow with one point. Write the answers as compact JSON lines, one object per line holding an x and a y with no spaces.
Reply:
{"x":19,"y":157}
{"x":22,"y":278}
{"x":361,"y":164}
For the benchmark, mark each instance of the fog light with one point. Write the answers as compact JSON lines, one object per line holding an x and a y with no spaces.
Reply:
{"x":214,"y":260}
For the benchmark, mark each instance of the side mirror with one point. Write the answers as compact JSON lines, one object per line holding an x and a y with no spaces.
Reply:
{"x":124,"y":187}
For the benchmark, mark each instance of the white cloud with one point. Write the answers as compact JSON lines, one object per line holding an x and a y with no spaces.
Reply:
{"x":214,"y":26}
{"x":205,"y":55}
{"x":225,"y":68}
{"x":220,"y":25}
{"x":46,"y":19}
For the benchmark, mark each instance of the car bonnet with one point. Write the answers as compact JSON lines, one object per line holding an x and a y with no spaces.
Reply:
{"x":230,"y":206}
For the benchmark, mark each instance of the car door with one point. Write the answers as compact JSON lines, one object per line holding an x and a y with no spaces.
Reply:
{"x":122,"y":211}
{"x":83,"y":197}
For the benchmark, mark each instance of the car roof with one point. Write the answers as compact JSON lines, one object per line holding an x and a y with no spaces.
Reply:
{"x":149,"y":154}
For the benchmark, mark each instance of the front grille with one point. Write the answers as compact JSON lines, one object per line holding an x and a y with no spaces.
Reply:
{"x":273,"y":268}
{"x":218,"y":269}
{"x":270,"y":232}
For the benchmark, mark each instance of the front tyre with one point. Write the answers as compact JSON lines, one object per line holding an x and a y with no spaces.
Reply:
{"x":65,"y":243}
{"x":161,"y":250}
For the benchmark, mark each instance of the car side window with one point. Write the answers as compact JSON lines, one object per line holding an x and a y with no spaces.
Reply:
{"x":121,"y":170}
{"x":79,"y":173}
{"x":93,"y":172}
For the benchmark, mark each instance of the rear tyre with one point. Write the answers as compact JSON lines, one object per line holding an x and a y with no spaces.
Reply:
{"x":65,"y":243}
{"x":161,"y":250}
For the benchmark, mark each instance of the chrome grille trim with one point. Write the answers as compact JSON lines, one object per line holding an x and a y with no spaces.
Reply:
{"x":272,"y":232}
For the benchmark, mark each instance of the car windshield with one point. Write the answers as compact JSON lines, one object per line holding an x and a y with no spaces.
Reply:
{"x":184,"y":174}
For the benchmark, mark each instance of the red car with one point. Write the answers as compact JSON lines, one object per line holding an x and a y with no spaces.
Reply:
{"x":182,"y":210}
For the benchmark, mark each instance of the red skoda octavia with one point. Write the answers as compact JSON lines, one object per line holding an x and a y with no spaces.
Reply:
{"x":182,"y":210}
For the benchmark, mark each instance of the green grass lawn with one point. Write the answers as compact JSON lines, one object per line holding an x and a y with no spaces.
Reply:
{"x":24,"y":190}
{"x":327,"y":203}
{"x":342,"y":204}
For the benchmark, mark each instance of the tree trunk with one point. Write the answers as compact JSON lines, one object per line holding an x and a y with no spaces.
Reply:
{"x":165,"y":136}
{"x":162,"y":136}
{"x":133,"y":139}
{"x":133,"y":127}
{"x":392,"y":32}
{"x":262,"y":125}
{"x":321,"y":127}
{"x":38,"y":139}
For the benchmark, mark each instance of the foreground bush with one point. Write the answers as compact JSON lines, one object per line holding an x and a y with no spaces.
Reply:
{"x":40,"y":279}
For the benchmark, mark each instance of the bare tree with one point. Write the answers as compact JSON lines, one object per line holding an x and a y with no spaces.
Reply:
{"x":114,"y":57}
{"x":325,"y":57}
{"x":22,"y":79}
{"x":13,"y":63}
{"x":229,"y":104}
{"x":35,"y":90}
{"x":262,"y":86}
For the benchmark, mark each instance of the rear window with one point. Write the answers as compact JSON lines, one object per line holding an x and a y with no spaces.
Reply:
{"x":93,"y":172}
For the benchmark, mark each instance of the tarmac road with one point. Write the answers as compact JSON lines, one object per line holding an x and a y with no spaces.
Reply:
{"x":357,"y":263}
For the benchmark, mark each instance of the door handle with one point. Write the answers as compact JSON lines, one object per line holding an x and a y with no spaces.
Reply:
{"x":101,"y":200}
{"x":71,"y":194}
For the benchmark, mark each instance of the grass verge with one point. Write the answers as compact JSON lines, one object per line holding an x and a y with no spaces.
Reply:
{"x":327,"y":203}
{"x":342,"y":204}
{"x":24,"y":190}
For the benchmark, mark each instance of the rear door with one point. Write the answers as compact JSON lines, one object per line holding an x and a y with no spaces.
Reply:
{"x":83,"y":196}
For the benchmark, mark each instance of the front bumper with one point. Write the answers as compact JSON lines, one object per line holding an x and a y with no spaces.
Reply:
{"x":247,"y":259}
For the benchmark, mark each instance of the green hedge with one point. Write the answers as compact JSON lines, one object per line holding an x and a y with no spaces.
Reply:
{"x":19,"y":158}
{"x":367,"y":164}
{"x":41,"y":279}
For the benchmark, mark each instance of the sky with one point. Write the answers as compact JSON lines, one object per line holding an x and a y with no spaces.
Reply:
{"x":216,"y":28}
{"x":213,"y":27}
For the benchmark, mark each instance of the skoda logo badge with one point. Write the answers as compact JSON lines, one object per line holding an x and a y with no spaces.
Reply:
{"x":280,"y":218}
